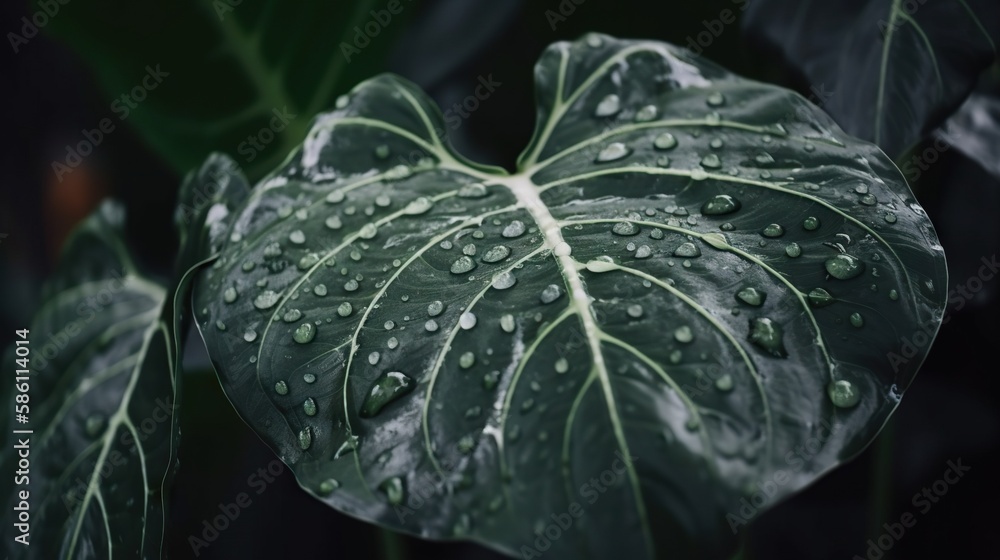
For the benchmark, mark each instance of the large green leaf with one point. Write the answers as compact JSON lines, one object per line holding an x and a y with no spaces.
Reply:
{"x":685,"y":265}
{"x":102,"y":402}
{"x":889,"y":71}
{"x":225,"y":71}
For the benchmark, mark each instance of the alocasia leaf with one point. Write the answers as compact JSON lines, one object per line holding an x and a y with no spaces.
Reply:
{"x":889,"y":71}
{"x":101,"y":408}
{"x":695,"y":288}
{"x":245,"y":77}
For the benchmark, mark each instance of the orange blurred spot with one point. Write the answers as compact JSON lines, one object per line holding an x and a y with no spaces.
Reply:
{"x":68,"y":202}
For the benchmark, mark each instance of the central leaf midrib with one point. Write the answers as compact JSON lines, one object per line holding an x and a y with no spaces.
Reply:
{"x":528,"y":196}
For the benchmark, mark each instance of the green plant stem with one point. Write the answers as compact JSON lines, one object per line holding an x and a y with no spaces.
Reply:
{"x":742,"y":552}
{"x":393,"y":545}
{"x":881,"y":491}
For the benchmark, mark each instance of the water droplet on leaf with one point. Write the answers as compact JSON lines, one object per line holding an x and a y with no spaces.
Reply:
{"x":387,"y":388}
{"x":435,"y":308}
{"x":683,"y":334}
{"x":844,"y":266}
{"x":305,"y":438}
{"x":327,"y":487}
{"x":612,"y":152}
{"x":768,"y":335}
{"x":646,"y":114}
{"x":467,"y":320}
{"x":393,"y":490}
{"x":857,"y":320}
{"x":265,"y":300}
{"x":550,"y":293}
{"x":665,"y":141}
{"x":305,"y":333}
{"x":496,"y":254}
{"x":724,"y":383}
{"x":751,"y":296}
{"x":773,"y":230}
{"x":418,"y":206}
{"x":608,"y":106}
{"x":719,"y":205}
{"x":843,"y":394}
{"x":514,"y":229}
{"x":474,"y":190}
{"x":711,"y":161}
{"x":466,"y":360}
{"x":503,"y":281}
{"x":819,"y":297}
{"x":309,"y":407}
{"x":625,"y":229}
{"x":687,"y":250}
{"x":463,"y":265}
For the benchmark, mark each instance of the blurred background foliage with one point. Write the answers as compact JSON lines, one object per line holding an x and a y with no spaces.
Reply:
{"x":234,"y":66}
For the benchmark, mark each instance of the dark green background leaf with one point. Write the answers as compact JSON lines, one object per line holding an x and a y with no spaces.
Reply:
{"x":102,"y":406}
{"x":888,"y":71}
{"x":232,"y":67}
{"x":460,"y":353}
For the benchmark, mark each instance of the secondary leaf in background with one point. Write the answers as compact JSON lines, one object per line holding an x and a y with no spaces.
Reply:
{"x":242,"y":78}
{"x":896,"y":68}
{"x":689,"y":269}
{"x":102,"y":401}
{"x":208,"y":197}
{"x":975,"y":131}
{"x":969,"y":196}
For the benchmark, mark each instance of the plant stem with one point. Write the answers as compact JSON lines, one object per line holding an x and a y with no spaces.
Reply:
{"x":392,"y":544}
{"x":742,"y":553}
{"x":881,"y":482}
